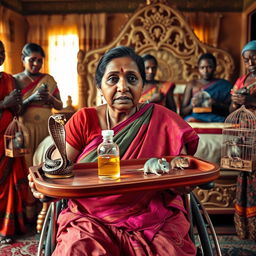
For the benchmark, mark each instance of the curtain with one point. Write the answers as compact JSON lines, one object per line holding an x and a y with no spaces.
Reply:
{"x":90,"y":28}
{"x":92,"y":31}
{"x":5,"y":36}
{"x":205,"y":25}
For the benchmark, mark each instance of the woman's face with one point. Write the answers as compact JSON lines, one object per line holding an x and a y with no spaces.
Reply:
{"x":33,"y":63}
{"x":150,"y":70}
{"x":122,"y":84}
{"x":249,"y":58}
{"x":206,"y":69}
{"x":2,"y":54}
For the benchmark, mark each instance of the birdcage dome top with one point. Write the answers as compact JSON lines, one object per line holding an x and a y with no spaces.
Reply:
{"x":15,"y":126}
{"x":241,"y":118}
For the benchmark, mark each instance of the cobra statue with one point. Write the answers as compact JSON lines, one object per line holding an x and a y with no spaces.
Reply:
{"x":61,"y":167}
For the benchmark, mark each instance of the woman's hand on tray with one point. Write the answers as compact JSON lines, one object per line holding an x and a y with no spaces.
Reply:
{"x":32,"y":186}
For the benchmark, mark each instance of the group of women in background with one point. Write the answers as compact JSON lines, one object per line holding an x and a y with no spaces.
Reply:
{"x":128,"y":85}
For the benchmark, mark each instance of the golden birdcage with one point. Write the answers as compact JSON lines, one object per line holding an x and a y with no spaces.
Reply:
{"x":16,"y":139}
{"x":238,"y":150}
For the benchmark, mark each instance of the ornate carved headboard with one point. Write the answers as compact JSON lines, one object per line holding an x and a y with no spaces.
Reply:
{"x":162,"y":31}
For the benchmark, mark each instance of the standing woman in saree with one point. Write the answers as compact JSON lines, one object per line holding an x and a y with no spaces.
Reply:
{"x":38,"y":100}
{"x":13,"y":183}
{"x":39,"y":94}
{"x":156,"y":91}
{"x":137,"y":223}
{"x":244,"y":93}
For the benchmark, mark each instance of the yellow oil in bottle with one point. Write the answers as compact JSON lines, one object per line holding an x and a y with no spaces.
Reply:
{"x":108,"y":167}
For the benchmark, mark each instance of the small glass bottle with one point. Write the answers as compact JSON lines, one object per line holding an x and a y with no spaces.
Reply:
{"x":108,"y":157}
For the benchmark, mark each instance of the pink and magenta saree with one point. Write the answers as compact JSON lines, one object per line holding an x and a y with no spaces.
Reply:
{"x":138,"y":223}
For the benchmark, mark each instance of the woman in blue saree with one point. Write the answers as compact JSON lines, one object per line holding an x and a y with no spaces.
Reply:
{"x":218,"y":91}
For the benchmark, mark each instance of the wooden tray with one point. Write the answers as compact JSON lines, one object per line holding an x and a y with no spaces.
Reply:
{"x":86,"y":183}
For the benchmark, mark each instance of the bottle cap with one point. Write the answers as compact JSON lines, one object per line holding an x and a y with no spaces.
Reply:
{"x":107,"y":132}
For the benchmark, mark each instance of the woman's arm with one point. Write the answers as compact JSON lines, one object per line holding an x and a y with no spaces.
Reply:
{"x":13,"y":100}
{"x":237,"y":100}
{"x":186,"y":106}
{"x":45,"y":97}
{"x":55,"y":101}
{"x":170,"y":102}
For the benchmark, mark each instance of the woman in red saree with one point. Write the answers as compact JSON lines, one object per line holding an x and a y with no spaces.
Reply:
{"x":38,"y":102}
{"x":244,"y":93}
{"x":13,"y":183}
{"x":156,"y":91}
{"x":141,"y":223}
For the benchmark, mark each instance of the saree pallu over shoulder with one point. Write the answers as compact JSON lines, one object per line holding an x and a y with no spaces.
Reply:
{"x":42,"y":79}
{"x":164,"y":88}
{"x":218,"y":89}
{"x":137,"y":134}
{"x":124,"y":134}
{"x":239,"y":83}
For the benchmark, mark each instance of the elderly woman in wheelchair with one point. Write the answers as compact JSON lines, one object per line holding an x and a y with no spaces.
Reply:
{"x":136,"y":223}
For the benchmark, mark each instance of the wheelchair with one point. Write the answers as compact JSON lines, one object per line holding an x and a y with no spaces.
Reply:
{"x":202,"y":232}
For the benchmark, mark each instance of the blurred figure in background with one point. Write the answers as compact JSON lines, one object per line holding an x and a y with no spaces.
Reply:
{"x":14,"y":185}
{"x":244,"y":93}
{"x":39,"y":94}
{"x":154,"y":90}
{"x":208,"y":92}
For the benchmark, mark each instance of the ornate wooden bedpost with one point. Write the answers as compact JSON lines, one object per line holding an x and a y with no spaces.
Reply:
{"x":82,"y":85}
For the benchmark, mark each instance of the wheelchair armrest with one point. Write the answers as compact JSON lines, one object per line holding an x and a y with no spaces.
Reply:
{"x":207,"y":186}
